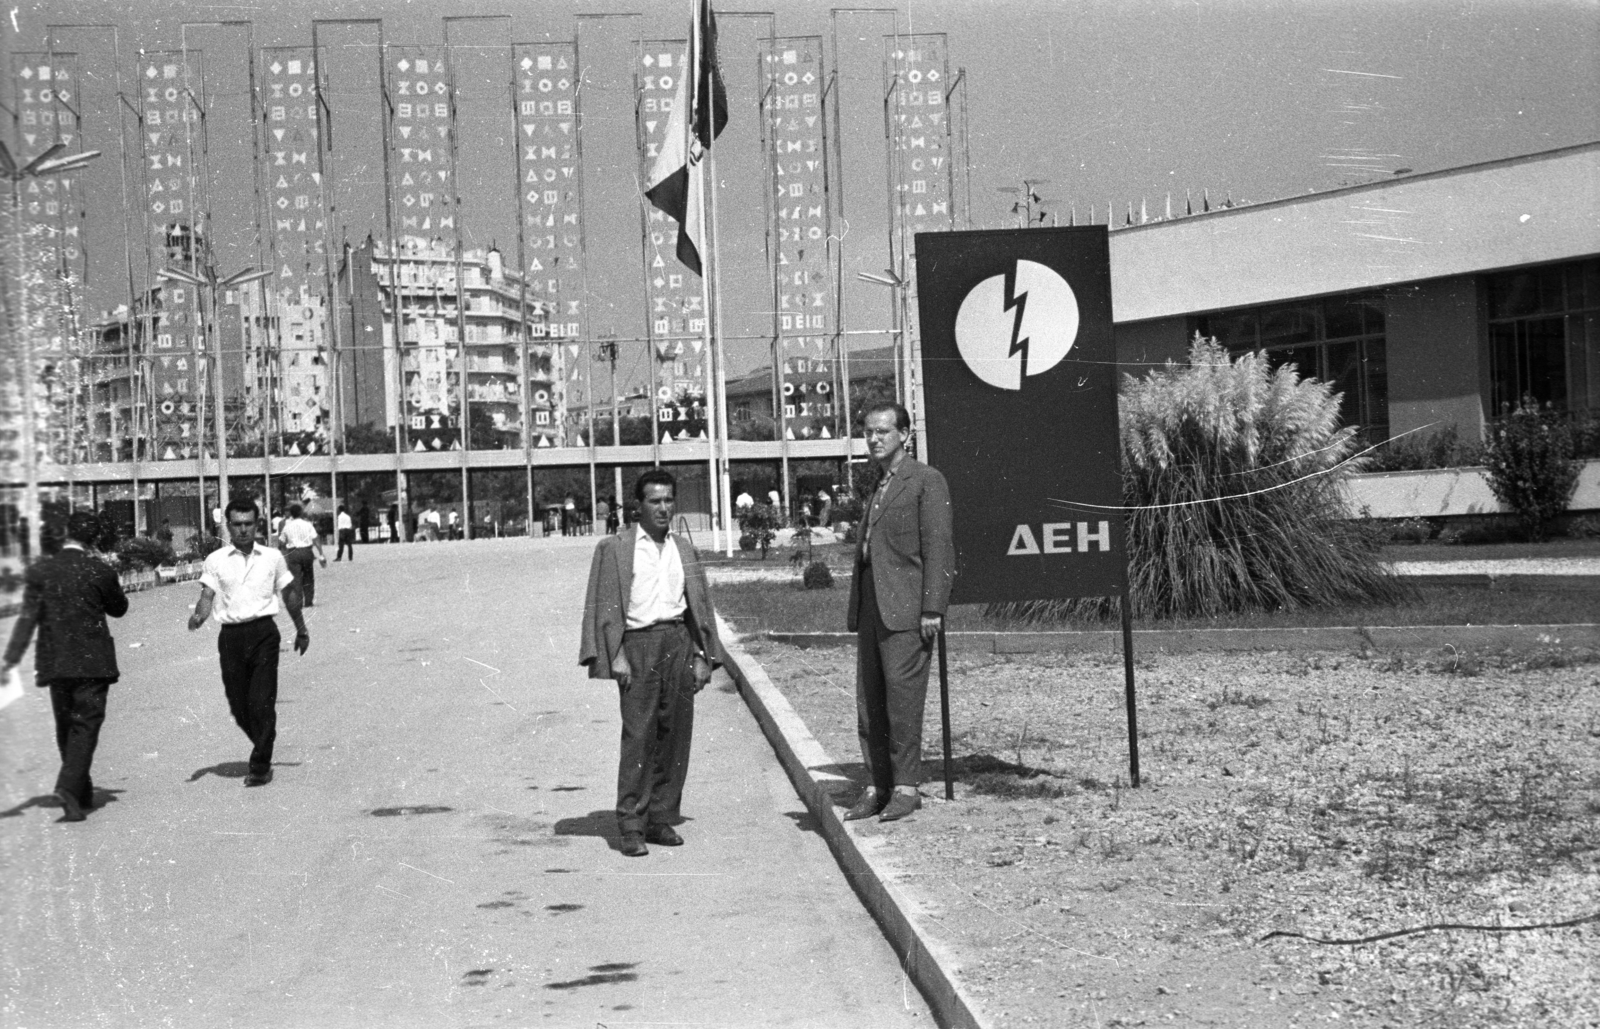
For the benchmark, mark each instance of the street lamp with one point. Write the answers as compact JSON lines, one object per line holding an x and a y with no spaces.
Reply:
{"x":213,"y":283}
{"x":902,"y":366}
{"x":41,"y":166}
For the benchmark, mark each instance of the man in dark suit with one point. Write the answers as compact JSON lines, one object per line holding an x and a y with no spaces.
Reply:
{"x":67,"y":597}
{"x":905,"y":563}
{"x":648,"y":623}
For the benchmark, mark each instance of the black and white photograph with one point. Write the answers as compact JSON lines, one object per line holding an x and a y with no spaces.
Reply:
{"x":942,"y":513}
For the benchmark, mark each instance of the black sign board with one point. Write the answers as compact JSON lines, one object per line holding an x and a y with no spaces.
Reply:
{"x":1020,"y":378}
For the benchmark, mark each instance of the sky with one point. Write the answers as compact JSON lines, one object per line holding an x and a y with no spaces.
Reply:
{"x":1112,"y":101}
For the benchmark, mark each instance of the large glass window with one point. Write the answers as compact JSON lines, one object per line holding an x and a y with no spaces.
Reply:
{"x":1543,"y":334}
{"x":1339,"y":340}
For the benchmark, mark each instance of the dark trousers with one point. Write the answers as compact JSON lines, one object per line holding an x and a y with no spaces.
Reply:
{"x":657,"y":725}
{"x":249,"y":656}
{"x":347,"y":543}
{"x":891,"y":693}
{"x":302,"y":562}
{"x":80,"y":709}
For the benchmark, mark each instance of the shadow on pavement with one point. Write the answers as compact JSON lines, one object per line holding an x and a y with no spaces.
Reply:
{"x":43,"y":800}
{"x":225,"y":770}
{"x":600,"y":824}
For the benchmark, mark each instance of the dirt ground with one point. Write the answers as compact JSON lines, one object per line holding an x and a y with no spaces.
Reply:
{"x":1336,"y":795}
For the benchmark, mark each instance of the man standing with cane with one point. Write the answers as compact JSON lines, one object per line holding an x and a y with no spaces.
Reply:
{"x":899,"y":592}
{"x":242,"y":583}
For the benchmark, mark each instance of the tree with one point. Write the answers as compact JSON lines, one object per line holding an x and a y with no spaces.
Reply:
{"x":1530,"y":464}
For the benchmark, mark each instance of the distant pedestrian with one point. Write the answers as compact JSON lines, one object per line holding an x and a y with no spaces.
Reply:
{"x":363,"y":523}
{"x":744,"y":501}
{"x":648,"y":623}
{"x":602,"y":513}
{"x":569,"y":517}
{"x":242,"y":584}
{"x":394,"y":523}
{"x":302,"y":548}
{"x":67,"y":597}
{"x":164,"y":534}
{"x":455,"y":524}
{"x":345,"y":526}
{"x":899,"y":592}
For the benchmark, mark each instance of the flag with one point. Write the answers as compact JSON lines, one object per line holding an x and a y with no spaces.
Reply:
{"x":699,"y":113}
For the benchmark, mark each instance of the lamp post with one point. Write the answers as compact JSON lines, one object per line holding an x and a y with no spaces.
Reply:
{"x":45,"y":164}
{"x":905,"y":388}
{"x":608,"y":352}
{"x":213,"y":284}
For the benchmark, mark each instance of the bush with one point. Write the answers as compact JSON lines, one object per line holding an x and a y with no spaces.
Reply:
{"x":1586,"y":527}
{"x":1531,"y":464}
{"x":759,"y":522}
{"x":1411,"y":530}
{"x":145,"y":552}
{"x":1418,"y":451}
{"x":1232,"y":480}
{"x":201,"y":544}
{"x":818,"y":576}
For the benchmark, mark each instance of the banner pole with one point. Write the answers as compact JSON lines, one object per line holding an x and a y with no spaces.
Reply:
{"x":944,"y":714}
{"x":1127,"y":666}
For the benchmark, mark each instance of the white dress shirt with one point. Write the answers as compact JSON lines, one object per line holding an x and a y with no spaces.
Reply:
{"x":345,"y":521}
{"x":297,"y":532}
{"x":246,"y":586}
{"x":657,"y":591}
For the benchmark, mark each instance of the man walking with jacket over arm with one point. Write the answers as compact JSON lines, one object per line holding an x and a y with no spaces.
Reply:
{"x":648,"y":623}
{"x":67,"y":597}
{"x":899,"y":592}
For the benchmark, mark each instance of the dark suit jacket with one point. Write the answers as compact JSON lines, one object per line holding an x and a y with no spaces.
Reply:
{"x":605,"y":608}
{"x":913,"y":551}
{"x":67,"y":597}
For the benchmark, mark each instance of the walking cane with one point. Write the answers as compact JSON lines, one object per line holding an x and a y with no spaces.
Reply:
{"x":944,"y":713}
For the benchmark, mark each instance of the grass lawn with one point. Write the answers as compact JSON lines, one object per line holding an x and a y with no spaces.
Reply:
{"x":1326,"y":794}
{"x":785,"y":607}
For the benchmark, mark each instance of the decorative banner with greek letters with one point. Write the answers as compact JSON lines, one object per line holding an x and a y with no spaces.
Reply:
{"x":550,"y":181}
{"x":422,"y":189}
{"x":171,"y":85}
{"x":676,"y":316}
{"x":796,"y":136}
{"x":297,"y":236}
{"x":51,"y":272}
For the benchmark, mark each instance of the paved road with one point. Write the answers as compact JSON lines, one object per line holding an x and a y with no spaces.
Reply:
{"x":437,"y":849}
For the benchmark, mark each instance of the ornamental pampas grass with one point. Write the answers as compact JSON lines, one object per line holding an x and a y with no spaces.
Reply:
{"x":1231,"y":472}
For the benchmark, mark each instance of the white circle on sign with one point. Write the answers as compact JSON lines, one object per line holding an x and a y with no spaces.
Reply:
{"x":1002,"y":338}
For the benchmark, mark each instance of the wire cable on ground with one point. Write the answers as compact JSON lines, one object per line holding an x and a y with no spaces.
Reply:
{"x":1434,"y":927}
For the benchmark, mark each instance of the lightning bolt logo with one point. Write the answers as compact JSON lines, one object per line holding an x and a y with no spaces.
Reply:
{"x":1017,"y":302}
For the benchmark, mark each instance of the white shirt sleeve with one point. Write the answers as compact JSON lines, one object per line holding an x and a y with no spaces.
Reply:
{"x":281,"y":576}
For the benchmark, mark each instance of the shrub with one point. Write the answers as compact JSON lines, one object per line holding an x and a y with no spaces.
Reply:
{"x":1586,"y":527}
{"x":818,"y":576}
{"x":1231,"y":478}
{"x":1530,"y":462}
{"x":760,"y":523}
{"x":1411,"y":530}
{"x":145,"y":552}
{"x":1418,"y":451}
{"x":201,"y":544}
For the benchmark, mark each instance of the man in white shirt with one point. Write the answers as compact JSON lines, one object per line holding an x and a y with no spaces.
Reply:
{"x":345,"y":526}
{"x":241,"y":584}
{"x":744,"y":501}
{"x":648,"y":624}
{"x":302,"y":547}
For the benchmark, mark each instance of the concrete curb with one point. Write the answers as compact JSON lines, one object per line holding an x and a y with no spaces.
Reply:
{"x":1185,"y":641}
{"x":865,"y":860}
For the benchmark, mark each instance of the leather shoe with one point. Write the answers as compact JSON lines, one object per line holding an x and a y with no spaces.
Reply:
{"x":258,"y":778}
{"x":901,"y":805}
{"x":71,"y":810}
{"x":665,"y":835}
{"x":868,"y":804}
{"x":633,"y":845}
